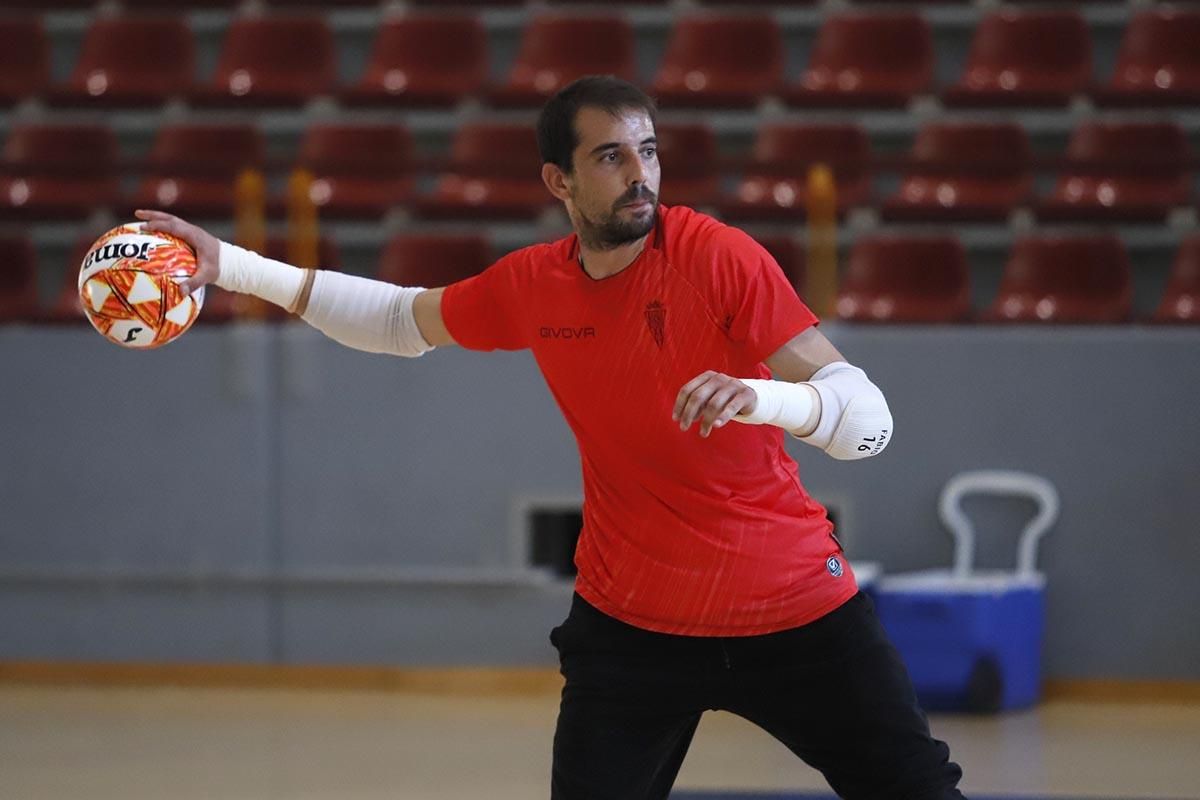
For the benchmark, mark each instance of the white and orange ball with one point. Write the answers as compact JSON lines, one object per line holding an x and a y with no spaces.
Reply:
{"x":128,"y":291}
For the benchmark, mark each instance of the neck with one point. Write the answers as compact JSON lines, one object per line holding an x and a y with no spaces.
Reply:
{"x":599,"y":264}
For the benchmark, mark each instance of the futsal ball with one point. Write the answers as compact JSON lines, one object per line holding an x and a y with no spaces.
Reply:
{"x":128,"y":291}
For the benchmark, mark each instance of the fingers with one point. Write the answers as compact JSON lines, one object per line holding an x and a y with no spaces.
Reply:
{"x":711,"y":398}
{"x":161,"y":221}
{"x":694,"y":395}
{"x":169,"y":223}
{"x":723,"y":406}
{"x":203,"y":276}
{"x":158,"y":220}
{"x":684,"y":393}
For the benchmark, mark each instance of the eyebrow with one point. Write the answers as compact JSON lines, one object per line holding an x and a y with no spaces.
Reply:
{"x":600,"y":148}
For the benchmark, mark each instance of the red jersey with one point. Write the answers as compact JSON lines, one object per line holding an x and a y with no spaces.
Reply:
{"x":681,"y":534}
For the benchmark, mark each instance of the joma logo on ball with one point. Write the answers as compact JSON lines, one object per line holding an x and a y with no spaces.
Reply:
{"x":120,"y":250}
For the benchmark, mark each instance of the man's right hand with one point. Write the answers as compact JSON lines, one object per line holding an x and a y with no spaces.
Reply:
{"x":207,"y":246}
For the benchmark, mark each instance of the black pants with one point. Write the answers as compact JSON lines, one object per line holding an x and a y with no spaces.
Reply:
{"x":834,"y":691}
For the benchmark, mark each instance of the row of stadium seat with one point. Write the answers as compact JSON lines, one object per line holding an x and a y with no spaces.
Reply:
{"x":1029,"y":58}
{"x":757,"y":4}
{"x":956,"y":171}
{"x":888,"y":278}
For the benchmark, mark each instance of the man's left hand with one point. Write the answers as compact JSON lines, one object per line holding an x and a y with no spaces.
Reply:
{"x":713,"y":399}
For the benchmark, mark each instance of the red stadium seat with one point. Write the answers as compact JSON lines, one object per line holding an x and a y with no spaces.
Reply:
{"x":730,"y":61}
{"x":193,"y":168}
{"x":18,"y":280}
{"x":66,"y":307}
{"x":790,"y":255}
{"x":964,"y":172}
{"x":608,"y":2}
{"x":130,"y":61}
{"x":495,"y":174}
{"x":272,"y":61}
{"x":1126,"y":171}
{"x":156,"y":5}
{"x":688,"y":156}
{"x":1159,"y":61}
{"x":906,"y":279}
{"x":775,"y":186}
{"x":867,"y":60}
{"x":41,"y":5}
{"x":472,"y":3}
{"x":1080,"y":279}
{"x":322,"y":4}
{"x":557,"y":49}
{"x":24,"y":59}
{"x":433,"y":260}
{"x":57,"y":171}
{"x":1181,"y":299}
{"x":1025,"y":58}
{"x":423,"y":60}
{"x":359,"y":170}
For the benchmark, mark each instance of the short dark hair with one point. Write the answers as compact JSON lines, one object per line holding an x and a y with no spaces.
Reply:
{"x":556,"y":134}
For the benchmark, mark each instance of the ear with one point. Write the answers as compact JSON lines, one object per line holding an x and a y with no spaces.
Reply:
{"x":556,"y":181}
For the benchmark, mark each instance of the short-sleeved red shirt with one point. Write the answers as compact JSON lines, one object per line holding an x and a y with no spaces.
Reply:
{"x":681,"y":534}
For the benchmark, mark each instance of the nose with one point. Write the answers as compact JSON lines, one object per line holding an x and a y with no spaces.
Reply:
{"x":637,"y":173}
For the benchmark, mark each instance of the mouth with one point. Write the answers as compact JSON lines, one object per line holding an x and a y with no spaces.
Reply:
{"x":637,"y":204}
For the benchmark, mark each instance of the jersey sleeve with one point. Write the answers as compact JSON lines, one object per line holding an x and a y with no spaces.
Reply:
{"x":484,"y":312}
{"x":757,"y":305}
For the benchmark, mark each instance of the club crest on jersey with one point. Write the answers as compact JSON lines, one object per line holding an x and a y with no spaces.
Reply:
{"x":834,"y":565}
{"x":656,"y":319}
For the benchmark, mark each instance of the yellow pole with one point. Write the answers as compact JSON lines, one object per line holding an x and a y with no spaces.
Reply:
{"x":821,"y":267}
{"x":302,"y":229}
{"x":250,"y":231}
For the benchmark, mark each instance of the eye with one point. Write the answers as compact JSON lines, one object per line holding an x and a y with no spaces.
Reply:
{"x":610,"y":156}
{"x":649,"y":152}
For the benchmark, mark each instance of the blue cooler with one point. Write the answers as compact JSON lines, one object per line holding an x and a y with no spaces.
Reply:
{"x":972,"y":639}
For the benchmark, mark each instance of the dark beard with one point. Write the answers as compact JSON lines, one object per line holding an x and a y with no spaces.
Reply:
{"x":612,"y":232}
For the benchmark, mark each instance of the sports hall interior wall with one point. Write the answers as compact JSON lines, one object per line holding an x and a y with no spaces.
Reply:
{"x":283,"y":499}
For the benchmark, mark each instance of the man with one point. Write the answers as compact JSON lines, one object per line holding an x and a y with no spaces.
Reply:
{"x":708,"y":578}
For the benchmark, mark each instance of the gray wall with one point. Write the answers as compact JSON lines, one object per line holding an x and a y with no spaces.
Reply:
{"x":261,"y":494}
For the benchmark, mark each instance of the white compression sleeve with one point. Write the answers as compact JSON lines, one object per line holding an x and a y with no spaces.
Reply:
{"x":358,"y":312}
{"x":792,"y":406}
{"x":366,"y":314}
{"x":247,"y":272}
{"x":838,"y":410}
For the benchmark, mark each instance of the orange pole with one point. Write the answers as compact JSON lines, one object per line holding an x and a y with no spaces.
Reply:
{"x":302,"y":229}
{"x":250,"y":232}
{"x":822,"y":267}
